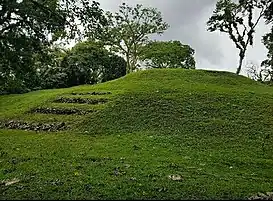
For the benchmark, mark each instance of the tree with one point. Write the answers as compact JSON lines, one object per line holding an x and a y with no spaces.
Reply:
{"x":90,"y":63}
{"x":130,"y":28}
{"x":259,"y":73}
{"x":168,"y":54}
{"x":114,"y":67}
{"x":268,"y":63}
{"x":26,"y":26}
{"x":48,"y":66}
{"x":269,"y":13}
{"x":236,"y":19}
{"x":268,"y":42}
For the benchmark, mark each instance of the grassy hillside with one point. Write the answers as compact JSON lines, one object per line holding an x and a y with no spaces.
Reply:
{"x":157,"y":134}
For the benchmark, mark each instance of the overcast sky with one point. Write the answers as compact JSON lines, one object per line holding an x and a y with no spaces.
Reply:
{"x":187,"y":20}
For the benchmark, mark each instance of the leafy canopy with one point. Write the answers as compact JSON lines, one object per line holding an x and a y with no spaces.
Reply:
{"x":27,"y":26}
{"x":238,"y":21}
{"x":168,"y":54}
{"x":130,"y":28}
{"x":89,"y":63}
{"x":48,"y":67}
{"x":267,"y":64}
{"x":267,"y":40}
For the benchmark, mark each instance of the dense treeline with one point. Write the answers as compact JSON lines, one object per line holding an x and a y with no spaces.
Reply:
{"x":34,"y":35}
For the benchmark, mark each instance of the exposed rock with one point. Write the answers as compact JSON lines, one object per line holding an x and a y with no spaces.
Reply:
{"x":34,"y":126}
{"x":80,"y":100}
{"x":175,"y":177}
{"x":132,"y":178}
{"x":10,"y":182}
{"x":66,"y":111}
{"x":262,"y":196}
{"x":91,"y":93}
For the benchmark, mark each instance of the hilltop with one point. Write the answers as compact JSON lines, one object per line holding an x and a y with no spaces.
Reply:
{"x":154,"y":134}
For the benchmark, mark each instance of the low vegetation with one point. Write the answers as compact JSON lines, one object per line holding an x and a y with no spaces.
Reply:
{"x":162,"y":134}
{"x":121,"y":133}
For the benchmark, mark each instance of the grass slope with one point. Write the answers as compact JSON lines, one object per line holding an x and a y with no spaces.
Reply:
{"x":208,"y":127}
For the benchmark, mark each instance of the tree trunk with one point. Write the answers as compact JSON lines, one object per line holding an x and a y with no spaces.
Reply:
{"x":242,"y":56}
{"x":128,"y":67}
{"x":134,"y":62}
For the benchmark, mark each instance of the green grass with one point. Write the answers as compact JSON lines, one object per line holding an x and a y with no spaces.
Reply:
{"x":208,"y":127}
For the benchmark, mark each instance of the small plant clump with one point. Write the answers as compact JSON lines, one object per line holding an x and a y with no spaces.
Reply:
{"x":53,"y":127}
{"x":65,"y":111}
{"x":80,"y":100}
{"x":92,"y":93}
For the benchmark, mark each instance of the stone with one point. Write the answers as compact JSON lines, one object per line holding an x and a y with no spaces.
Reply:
{"x":35,"y":126}
{"x":175,"y":177}
{"x":80,"y":100}
{"x":10,"y":182}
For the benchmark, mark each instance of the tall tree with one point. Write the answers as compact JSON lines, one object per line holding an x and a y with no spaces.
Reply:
{"x":168,"y":54}
{"x":267,"y":64}
{"x":48,"y":66}
{"x":26,"y":26}
{"x":268,"y":42}
{"x":90,"y":63}
{"x":238,"y":21}
{"x":129,"y":29}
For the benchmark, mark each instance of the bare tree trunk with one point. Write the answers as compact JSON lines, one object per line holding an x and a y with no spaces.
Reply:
{"x":128,"y":66}
{"x":134,"y":62}
{"x":242,"y":56}
{"x":240,"y":66}
{"x":134,"y":57}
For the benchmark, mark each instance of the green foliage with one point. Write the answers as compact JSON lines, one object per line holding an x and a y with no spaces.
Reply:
{"x":268,"y":42}
{"x":48,"y":67}
{"x":11,"y":85}
{"x":236,"y":19}
{"x":26,"y":27}
{"x":208,"y":127}
{"x":268,"y":63}
{"x":114,"y":67}
{"x":130,"y":28}
{"x":86,"y":63}
{"x":264,"y":72}
{"x":89,"y":63}
{"x":169,"y":54}
{"x":269,"y":13}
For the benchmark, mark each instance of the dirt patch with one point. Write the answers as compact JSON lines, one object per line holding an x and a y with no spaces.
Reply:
{"x":80,"y":100}
{"x":14,"y":124}
{"x":65,"y":111}
{"x":92,"y":93}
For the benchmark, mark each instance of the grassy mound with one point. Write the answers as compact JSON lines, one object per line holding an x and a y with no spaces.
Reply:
{"x":161,"y":134}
